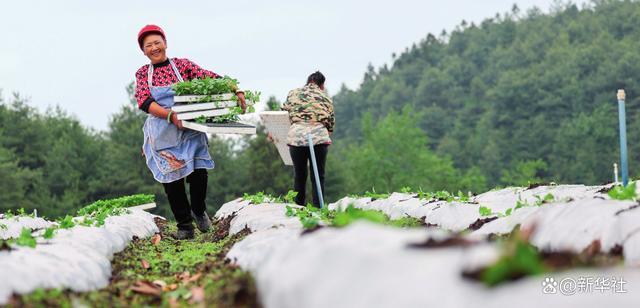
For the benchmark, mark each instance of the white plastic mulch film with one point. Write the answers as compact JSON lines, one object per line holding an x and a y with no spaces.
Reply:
{"x":367,"y":265}
{"x":78,"y":258}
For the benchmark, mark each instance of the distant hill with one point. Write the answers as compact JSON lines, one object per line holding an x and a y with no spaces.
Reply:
{"x":523,"y":93}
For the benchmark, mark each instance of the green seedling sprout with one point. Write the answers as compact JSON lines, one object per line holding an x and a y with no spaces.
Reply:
{"x":485,"y":211}
{"x":49,"y":233}
{"x":291,"y":195}
{"x":624,"y":193}
{"x":26,"y":239}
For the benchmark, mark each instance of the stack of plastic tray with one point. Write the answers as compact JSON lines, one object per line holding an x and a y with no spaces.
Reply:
{"x":191,"y":107}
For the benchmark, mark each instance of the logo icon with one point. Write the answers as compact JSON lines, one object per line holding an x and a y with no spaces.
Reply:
{"x":549,"y":286}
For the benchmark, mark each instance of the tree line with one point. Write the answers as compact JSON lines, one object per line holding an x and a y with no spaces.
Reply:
{"x":519,"y":98}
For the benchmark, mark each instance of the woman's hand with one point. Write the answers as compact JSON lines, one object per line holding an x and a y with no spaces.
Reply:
{"x":241,"y":100}
{"x":271,"y":139}
{"x":160,"y":112}
{"x":175,"y":121}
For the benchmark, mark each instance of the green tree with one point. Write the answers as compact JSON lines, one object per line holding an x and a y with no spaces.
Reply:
{"x":395,"y":153}
{"x":525,"y":173}
{"x":15,"y":182}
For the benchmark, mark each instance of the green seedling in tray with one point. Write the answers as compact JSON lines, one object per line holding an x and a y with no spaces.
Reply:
{"x":210,"y":86}
{"x":233,"y":116}
{"x":206,"y":86}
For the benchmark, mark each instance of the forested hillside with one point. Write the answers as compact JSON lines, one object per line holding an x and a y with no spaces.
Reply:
{"x":523,"y":96}
{"x":520,"y":95}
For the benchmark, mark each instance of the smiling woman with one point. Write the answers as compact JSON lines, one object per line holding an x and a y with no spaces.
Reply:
{"x":154,"y":44}
{"x":172,"y":153}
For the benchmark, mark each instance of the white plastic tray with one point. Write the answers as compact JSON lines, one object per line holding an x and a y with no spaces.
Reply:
{"x":205,"y":113}
{"x":227,"y":128}
{"x":179,"y":108}
{"x":198,"y":98}
{"x":277,"y":123}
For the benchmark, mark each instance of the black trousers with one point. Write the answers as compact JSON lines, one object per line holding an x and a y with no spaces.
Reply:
{"x":301,"y":159}
{"x":177,"y":196}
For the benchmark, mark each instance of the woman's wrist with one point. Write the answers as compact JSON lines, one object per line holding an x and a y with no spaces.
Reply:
{"x":169,"y":118}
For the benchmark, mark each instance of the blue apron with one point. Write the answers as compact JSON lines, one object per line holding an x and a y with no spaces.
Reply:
{"x":172,"y":154}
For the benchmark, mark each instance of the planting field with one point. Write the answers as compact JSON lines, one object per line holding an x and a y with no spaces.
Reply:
{"x":546,"y":246}
{"x":130,"y":260}
{"x":552,"y":246}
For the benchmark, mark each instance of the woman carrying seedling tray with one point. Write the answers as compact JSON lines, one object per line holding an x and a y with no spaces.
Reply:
{"x":173,"y":154}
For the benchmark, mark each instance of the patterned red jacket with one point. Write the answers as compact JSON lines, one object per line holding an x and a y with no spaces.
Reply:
{"x":163,"y":75}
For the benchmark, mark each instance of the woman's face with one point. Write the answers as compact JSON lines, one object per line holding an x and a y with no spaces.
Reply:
{"x":155,"y":48}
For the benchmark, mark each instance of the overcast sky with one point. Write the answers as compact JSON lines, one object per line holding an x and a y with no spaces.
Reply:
{"x":80,"y":55}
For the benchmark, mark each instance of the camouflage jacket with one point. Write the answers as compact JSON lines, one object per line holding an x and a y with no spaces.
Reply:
{"x":310,"y":112}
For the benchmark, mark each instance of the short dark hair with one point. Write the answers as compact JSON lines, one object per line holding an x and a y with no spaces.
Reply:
{"x":316,"y":78}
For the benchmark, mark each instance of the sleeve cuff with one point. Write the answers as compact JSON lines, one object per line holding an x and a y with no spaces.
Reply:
{"x":146,"y":104}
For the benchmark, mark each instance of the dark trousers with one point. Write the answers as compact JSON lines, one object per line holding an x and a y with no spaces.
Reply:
{"x":301,"y":159}
{"x":178,"y":197}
